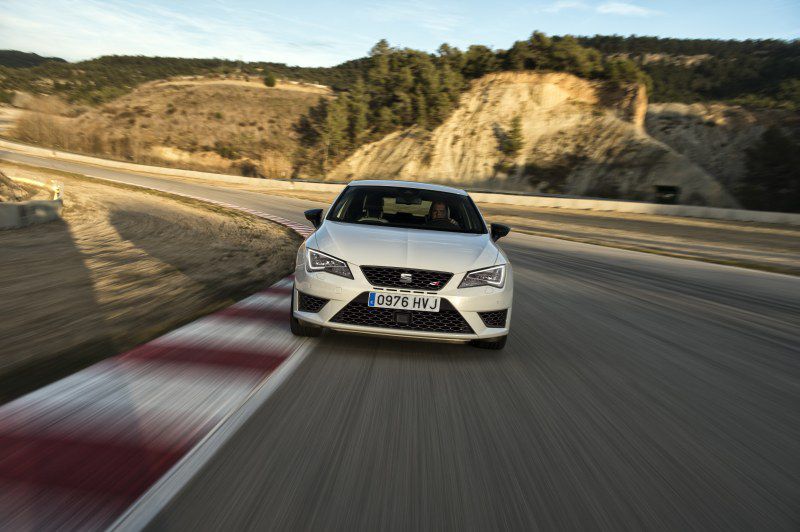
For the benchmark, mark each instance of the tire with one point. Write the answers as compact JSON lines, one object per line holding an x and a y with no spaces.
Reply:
{"x":493,"y":343}
{"x":299,"y":328}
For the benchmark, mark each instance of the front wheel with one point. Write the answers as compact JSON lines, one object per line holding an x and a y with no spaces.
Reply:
{"x":297,"y":327}
{"x":492,"y":343}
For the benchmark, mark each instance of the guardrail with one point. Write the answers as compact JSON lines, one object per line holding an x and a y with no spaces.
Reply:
{"x":494,"y":198}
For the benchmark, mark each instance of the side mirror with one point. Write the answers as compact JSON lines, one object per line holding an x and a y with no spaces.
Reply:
{"x":314,"y":216}
{"x":499,"y":231}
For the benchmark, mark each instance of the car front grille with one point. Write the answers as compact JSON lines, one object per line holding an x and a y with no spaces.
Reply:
{"x":447,"y":320}
{"x":307,"y":303}
{"x":394,"y":278}
{"x":494,"y":318}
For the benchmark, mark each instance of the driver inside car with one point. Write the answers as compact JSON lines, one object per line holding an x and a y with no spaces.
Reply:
{"x":439,"y":216}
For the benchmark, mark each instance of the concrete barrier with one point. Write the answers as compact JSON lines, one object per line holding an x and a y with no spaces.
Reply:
{"x":21,"y":213}
{"x":525,"y":200}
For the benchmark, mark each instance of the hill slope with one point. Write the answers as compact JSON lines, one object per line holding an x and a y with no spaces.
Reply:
{"x":223,"y":125}
{"x":17,"y":59}
{"x":579,"y":137}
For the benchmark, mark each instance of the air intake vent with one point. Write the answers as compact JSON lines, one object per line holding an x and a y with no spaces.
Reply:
{"x":494,"y":318}
{"x":307,"y":303}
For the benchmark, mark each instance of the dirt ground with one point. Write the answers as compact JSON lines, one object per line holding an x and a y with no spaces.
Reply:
{"x":122,"y":267}
{"x":15,"y":191}
{"x":747,"y":244}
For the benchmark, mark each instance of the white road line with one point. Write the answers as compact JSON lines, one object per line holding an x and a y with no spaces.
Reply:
{"x":236,"y":333}
{"x":283,"y":283}
{"x":265,"y":301}
{"x":148,"y":403}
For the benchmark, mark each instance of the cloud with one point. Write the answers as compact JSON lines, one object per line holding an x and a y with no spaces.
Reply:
{"x":562,"y":5}
{"x":90,"y":28}
{"x":626,"y":9}
{"x":418,"y":13}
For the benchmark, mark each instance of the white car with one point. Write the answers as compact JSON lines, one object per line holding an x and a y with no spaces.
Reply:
{"x":404,"y":259}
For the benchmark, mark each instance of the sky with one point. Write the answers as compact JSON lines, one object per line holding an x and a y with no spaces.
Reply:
{"x":317,"y":33}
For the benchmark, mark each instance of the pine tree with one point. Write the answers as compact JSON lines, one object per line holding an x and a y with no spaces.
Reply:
{"x":403,"y":109}
{"x":421,"y":111}
{"x":478,"y":61}
{"x":378,"y":74}
{"x":358,"y":112}
{"x":333,"y":133}
{"x":772,"y":181}
{"x":385,"y":120}
{"x":451,"y":56}
{"x":512,"y":143}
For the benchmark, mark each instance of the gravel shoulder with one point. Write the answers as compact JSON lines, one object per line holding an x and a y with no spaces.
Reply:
{"x":122,"y":267}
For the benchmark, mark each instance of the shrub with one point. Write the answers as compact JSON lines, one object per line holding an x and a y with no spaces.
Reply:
{"x":225,"y":150}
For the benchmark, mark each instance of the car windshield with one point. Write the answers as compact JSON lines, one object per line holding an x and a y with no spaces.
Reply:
{"x":407,"y":207}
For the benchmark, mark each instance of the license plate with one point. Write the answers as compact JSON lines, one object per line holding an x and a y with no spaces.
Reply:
{"x":403,"y":301}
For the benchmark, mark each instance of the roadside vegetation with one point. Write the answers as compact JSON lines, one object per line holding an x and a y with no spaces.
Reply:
{"x":772,"y":181}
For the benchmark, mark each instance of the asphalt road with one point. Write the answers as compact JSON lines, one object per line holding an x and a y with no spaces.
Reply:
{"x":636,"y":391}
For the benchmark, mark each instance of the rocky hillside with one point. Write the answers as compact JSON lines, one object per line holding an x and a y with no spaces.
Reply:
{"x":715,"y":136}
{"x":577,"y":137}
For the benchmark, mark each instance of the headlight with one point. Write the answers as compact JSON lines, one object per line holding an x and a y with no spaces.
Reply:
{"x":317,"y":261}
{"x":494,"y":276}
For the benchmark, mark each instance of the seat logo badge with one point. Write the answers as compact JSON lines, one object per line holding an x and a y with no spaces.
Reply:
{"x":405,"y":278}
{"x":434,"y":283}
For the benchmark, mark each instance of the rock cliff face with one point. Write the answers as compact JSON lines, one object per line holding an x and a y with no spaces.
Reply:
{"x":714,"y":136}
{"x":579,"y":137}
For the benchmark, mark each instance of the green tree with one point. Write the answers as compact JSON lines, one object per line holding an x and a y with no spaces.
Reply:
{"x":358,"y":113}
{"x":567,"y":55}
{"x":269,"y":79}
{"x":450,"y":56}
{"x":334,"y":131}
{"x":623,"y":71}
{"x":772,"y":181}
{"x":385,"y":120}
{"x":511,"y":144}
{"x":517,"y":57}
{"x":789,"y":93}
{"x":479,"y":61}
{"x":378,"y":73}
{"x":452,"y":82}
{"x":421,"y":111}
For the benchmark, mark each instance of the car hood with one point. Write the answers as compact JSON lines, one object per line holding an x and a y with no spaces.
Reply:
{"x":370,"y":245}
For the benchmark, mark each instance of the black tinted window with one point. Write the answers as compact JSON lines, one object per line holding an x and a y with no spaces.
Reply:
{"x":407,"y":207}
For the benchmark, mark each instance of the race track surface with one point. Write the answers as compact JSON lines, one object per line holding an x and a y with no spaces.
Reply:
{"x":636,"y":391}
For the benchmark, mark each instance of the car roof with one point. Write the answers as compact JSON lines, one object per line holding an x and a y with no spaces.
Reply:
{"x":407,"y":184}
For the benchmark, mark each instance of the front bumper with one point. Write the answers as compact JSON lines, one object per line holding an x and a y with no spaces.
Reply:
{"x":345,"y":296}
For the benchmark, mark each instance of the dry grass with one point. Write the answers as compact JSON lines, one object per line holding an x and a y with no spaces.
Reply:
{"x":231,"y":127}
{"x":14,"y":191}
